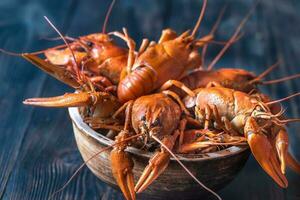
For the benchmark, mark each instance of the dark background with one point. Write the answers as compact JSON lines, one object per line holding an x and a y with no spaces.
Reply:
{"x":37,"y":147}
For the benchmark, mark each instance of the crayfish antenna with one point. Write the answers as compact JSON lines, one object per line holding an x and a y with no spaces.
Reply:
{"x":212,"y":32}
{"x":76,"y":69}
{"x":81,"y":78}
{"x":199,"y":19}
{"x":10,"y":53}
{"x":107,"y":16}
{"x":32,"y":53}
{"x":265,"y":73}
{"x":71,"y":39}
{"x":77,"y":171}
{"x":55,"y":71}
{"x":233,"y":38}
{"x":284,"y":121}
{"x":219,"y":19}
{"x":281,"y":79}
{"x":283,"y":99}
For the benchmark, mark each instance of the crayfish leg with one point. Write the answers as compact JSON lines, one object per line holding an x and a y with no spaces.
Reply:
{"x":179,"y":85}
{"x":131,"y":46}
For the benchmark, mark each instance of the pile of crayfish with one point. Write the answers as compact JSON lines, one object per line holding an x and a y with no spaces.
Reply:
{"x":162,"y":98}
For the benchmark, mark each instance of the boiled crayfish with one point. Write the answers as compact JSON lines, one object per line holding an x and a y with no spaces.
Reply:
{"x":128,"y":91}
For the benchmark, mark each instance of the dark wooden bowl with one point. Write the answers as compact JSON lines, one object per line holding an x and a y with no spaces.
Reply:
{"x":215,"y":170}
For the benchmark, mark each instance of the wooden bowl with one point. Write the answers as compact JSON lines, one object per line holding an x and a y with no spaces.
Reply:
{"x":215,"y":170}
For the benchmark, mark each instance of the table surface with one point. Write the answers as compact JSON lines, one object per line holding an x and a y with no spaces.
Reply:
{"x":38,"y":152}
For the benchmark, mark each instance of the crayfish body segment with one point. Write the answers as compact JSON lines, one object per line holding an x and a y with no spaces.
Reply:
{"x":237,"y":111}
{"x":158,"y":64}
{"x":237,"y":79}
{"x":234,"y":78}
{"x":155,"y":64}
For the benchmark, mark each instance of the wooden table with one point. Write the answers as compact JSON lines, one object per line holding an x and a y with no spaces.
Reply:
{"x":37,"y":148}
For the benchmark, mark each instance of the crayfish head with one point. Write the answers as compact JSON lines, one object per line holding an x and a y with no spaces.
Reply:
{"x":260,"y":112}
{"x":265,"y":117}
{"x":151,"y":124}
{"x":101,"y":47}
{"x":178,"y":47}
{"x":155,"y":114}
{"x":95,"y":38}
{"x":238,"y":79}
{"x":184,"y":48}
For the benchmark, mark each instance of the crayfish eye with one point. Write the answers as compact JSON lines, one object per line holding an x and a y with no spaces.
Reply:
{"x":258,"y":108}
{"x":80,"y":49}
{"x":143,"y":118}
{"x":249,"y":78}
{"x":155,"y":123}
{"x":89,"y":43}
{"x":190,"y":47}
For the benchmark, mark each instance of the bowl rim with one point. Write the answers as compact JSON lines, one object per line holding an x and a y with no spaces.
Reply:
{"x":81,"y":125}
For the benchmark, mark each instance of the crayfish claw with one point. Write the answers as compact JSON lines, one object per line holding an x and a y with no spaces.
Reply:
{"x":281,"y":143}
{"x":66,"y":100}
{"x":58,"y":72}
{"x":69,"y":99}
{"x":62,"y":56}
{"x":263,"y":152}
{"x":157,"y":164}
{"x":293,"y":163}
{"x":122,"y":165}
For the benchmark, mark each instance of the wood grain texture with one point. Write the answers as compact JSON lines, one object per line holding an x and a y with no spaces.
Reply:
{"x":37,"y":147}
